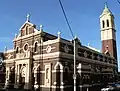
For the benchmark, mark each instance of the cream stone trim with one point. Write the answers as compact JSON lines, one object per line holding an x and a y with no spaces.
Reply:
{"x":47,"y":80}
{"x":50,"y":42}
{"x":9,"y":60}
{"x":12,"y":67}
{"x":80,"y":71}
{"x":55,"y":86}
{"x":26,"y":36}
{"x":42,"y":71}
{"x":70,"y":56}
{"x":49,"y":48}
{"x":107,"y":28}
{"x":107,"y":34}
{"x":66,"y":42}
{"x":9,"y":51}
{"x":85,"y":85}
{"x":54,"y":71}
{"x":26,"y":23}
{"x":45,"y":56}
{"x":22,"y":61}
{"x":9,"y":56}
{"x":86,"y":59}
{"x":57,"y":40}
{"x":35,"y":68}
{"x":23,"y":70}
{"x":58,"y":64}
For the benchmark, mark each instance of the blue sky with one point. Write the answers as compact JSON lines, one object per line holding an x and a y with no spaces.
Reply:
{"x":83,"y":16}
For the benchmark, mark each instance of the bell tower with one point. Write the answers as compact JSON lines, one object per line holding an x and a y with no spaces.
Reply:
{"x":108,"y":32}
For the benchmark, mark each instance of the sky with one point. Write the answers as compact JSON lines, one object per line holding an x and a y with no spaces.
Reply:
{"x":83,"y":16}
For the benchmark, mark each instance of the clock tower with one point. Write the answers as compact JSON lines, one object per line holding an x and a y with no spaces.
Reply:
{"x":108,"y":32}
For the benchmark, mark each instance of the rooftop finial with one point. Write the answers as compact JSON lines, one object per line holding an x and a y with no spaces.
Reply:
{"x":88,"y":44}
{"x":28,"y":17}
{"x":106,"y":5}
{"x":5,"y":49}
{"x":59,"y":34}
{"x":15,"y":35}
{"x":41,"y":27}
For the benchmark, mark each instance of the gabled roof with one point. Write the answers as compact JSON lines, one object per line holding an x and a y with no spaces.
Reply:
{"x":27,"y":22}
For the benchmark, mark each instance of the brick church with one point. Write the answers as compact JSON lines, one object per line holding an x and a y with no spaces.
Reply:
{"x":43,"y":61}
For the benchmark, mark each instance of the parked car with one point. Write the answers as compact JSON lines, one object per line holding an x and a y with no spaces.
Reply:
{"x":112,"y":87}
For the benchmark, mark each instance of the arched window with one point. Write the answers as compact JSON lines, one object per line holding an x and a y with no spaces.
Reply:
{"x":103,"y":24}
{"x":66,"y":78}
{"x":27,"y":30}
{"x":17,"y":49}
{"x":35,"y":50}
{"x":47,"y":73}
{"x":107,"y":23}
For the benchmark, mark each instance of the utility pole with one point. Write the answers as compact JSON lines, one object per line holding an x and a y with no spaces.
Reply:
{"x":74,"y":75}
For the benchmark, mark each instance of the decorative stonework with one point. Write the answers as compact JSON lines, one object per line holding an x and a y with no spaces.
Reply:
{"x":79,"y":66}
{"x":97,"y":69}
{"x":9,"y":56}
{"x":98,"y":58}
{"x":85,"y":54}
{"x":26,"y":47}
{"x":23,"y":55}
{"x":49,"y":48}
{"x":58,"y":64}
{"x":66,"y":48}
{"x":23,"y":71}
{"x":12,"y":68}
{"x":92,"y":56}
{"x":47,"y":74}
{"x":35,"y":68}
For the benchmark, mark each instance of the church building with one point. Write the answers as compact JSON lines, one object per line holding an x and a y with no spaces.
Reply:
{"x":40,"y":60}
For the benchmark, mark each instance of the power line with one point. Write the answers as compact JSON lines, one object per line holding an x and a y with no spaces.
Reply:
{"x":74,"y":75}
{"x":118,"y":1}
{"x":66,"y":18}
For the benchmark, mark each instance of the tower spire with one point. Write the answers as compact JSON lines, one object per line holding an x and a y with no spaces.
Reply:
{"x":108,"y":33}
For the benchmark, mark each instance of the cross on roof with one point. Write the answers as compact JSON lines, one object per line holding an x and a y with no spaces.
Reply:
{"x":28,"y":17}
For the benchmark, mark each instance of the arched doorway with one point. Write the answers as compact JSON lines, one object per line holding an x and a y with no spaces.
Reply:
{"x":22,"y":77}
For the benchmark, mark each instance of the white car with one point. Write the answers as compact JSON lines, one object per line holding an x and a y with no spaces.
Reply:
{"x":111,"y":87}
{"x":107,"y":89}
